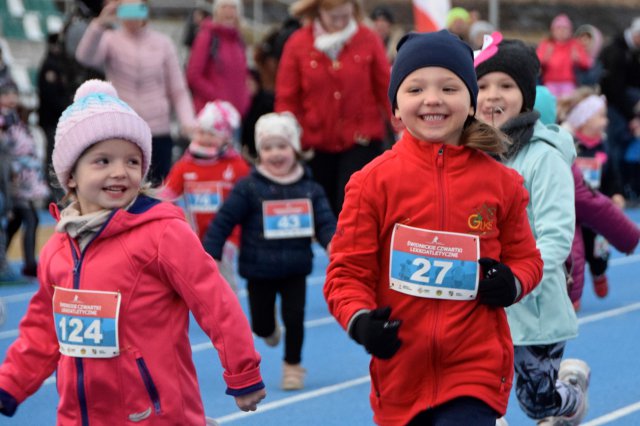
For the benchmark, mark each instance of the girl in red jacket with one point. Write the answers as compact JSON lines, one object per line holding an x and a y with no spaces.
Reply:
{"x":206,"y":174}
{"x":404,"y":279}
{"x":117,"y":282}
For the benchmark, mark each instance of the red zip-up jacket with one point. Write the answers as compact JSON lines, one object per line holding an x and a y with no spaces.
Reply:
{"x":335,"y":102}
{"x":449,"y":348}
{"x":150,"y":255}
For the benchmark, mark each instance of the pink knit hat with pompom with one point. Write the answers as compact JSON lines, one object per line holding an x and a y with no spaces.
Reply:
{"x":96,"y":114}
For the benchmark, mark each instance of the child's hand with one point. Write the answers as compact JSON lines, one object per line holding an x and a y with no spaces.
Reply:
{"x":249,"y":402}
{"x":328,"y":249}
{"x":618,"y":200}
{"x":634,"y":126}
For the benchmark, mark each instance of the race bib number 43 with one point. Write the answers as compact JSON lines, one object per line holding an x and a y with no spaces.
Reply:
{"x":434,"y":264}
{"x":287,"y":218}
{"x":87,"y":322}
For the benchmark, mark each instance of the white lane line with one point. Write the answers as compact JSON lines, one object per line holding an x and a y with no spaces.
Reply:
{"x":614,"y":415}
{"x":609,"y":314}
{"x":294,"y":399}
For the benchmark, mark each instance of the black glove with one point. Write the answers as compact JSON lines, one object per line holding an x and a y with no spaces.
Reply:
{"x":377,"y":333}
{"x":498,"y":287}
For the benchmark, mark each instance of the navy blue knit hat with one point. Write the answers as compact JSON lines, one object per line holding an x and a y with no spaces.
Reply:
{"x":437,"y":49}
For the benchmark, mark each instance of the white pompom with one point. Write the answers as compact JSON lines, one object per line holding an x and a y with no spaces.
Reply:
{"x":95,"y":86}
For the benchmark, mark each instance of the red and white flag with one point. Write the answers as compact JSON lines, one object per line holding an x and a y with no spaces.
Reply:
{"x":430,"y":15}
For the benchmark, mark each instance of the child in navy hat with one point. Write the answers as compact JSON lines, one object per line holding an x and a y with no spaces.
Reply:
{"x":432,"y":244}
{"x":544,"y":320}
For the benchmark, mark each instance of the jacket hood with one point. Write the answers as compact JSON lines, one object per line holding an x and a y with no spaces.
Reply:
{"x":144,"y":209}
{"x":557,"y":137}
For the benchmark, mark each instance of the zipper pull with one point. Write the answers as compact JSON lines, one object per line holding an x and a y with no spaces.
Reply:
{"x":440,"y":157}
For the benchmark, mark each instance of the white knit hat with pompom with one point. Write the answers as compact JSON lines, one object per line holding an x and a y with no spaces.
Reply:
{"x":96,"y":114}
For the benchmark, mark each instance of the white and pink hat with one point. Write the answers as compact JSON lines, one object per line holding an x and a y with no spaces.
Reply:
{"x":96,"y":114}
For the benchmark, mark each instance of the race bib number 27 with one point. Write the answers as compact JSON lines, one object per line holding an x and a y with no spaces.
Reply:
{"x":434,"y":264}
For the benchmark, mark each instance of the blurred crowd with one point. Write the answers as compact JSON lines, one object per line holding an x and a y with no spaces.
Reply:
{"x":346,"y":120}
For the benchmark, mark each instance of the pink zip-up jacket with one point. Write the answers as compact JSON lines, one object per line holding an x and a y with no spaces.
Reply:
{"x":150,"y":255}
{"x":145,"y":70}
{"x":217,"y":67}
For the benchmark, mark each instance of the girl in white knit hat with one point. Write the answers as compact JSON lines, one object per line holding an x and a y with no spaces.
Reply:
{"x":281,"y":209}
{"x":117,"y":282}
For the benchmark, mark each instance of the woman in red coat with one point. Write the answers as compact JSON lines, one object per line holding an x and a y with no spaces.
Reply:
{"x":333,"y":77}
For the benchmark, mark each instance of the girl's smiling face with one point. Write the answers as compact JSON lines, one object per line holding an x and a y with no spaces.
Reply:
{"x":277,"y":156}
{"x":499,"y":98}
{"x":433,"y":104}
{"x":107,"y":176}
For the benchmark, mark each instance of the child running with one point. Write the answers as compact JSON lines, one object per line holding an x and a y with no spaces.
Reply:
{"x":117,"y":282}
{"x":280,"y":209}
{"x":403,"y":277}
{"x":544,"y":320}
{"x":207,"y":172}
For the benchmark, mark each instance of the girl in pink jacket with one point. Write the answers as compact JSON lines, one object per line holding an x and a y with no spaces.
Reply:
{"x":117,"y":282}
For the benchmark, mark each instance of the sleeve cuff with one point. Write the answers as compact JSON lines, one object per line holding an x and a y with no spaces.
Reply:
{"x":9,"y":403}
{"x":245,"y":391}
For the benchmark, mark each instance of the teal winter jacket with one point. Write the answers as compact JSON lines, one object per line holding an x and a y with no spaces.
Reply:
{"x":546,"y":315}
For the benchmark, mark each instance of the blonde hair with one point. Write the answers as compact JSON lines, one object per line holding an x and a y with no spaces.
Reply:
{"x":311,"y":8}
{"x":484,"y":137}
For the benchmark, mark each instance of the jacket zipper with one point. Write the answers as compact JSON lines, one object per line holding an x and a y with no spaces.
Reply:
{"x":77,"y":266}
{"x":148,"y":383}
{"x":434,"y":357}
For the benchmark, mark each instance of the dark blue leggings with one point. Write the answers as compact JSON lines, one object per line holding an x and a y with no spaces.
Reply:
{"x":457,"y":412}
{"x":262,"y":301}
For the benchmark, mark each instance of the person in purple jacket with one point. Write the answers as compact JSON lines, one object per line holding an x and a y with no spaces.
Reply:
{"x":591,"y":207}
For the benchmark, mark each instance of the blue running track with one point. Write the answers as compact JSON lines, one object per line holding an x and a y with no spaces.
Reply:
{"x":337,"y":385}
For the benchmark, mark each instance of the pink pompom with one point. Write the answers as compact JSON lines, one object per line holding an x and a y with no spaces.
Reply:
{"x":95,"y":86}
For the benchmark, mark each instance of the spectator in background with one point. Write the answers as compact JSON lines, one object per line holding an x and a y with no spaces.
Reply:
{"x":26,"y":185}
{"x":559,"y":55}
{"x":200,"y":12}
{"x":333,"y":76}
{"x":620,"y":84}
{"x":54,"y":90}
{"x":477,"y":31}
{"x":262,"y":82}
{"x":458,"y":22}
{"x":7,"y":275}
{"x":591,"y":39}
{"x":383,"y":23}
{"x":217,"y":68}
{"x":143,"y":66}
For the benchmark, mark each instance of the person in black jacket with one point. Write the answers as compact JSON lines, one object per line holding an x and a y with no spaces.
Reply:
{"x":280,"y":209}
{"x":620,"y":83}
{"x":55,"y":91}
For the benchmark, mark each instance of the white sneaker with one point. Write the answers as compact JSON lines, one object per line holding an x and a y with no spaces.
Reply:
{"x":211,"y":422}
{"x":578,"y":373}
{"x":501,"y":421}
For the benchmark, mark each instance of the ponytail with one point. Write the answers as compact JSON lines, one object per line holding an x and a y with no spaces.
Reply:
{"x":484,"y":137}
